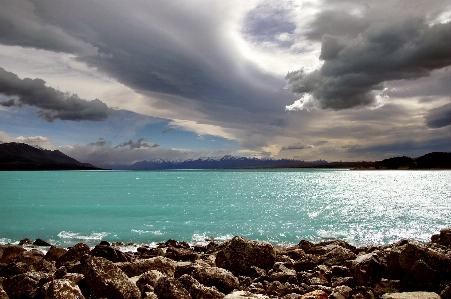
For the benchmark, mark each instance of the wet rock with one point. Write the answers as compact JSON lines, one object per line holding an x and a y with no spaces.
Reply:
{"x":223,"y":279}
{"x":411,"y":295}
{"x":239,"y":255}
{"x":25,"y":241}
{"x":138,"y":267}
{"x":21,"y":285}
{"x":110,"y":253}
{"x":73,"y":255}
{"x":105,"y":279}
{"x":198,"y":290}
{"x":171,"y":288}
{"x":54,"y":253}
{"x":40,"y":242}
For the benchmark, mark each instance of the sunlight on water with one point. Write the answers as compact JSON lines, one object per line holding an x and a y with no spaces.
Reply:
{"x":361,"y":207}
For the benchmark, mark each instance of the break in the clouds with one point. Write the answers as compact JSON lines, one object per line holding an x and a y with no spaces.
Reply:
{"x":54,"y":104}
{"x":355,"y":69}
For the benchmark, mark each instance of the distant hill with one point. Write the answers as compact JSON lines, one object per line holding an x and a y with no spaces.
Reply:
{"x":21,"y":156}
{"x":435,"y":160}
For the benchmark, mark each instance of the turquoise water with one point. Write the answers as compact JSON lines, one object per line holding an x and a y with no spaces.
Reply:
{"x":280,"y":206}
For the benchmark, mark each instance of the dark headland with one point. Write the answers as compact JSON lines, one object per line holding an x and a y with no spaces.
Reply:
{"x":20,"y":156}
{"x":237,"y":268}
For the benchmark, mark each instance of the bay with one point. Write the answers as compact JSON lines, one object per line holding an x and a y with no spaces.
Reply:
{"x":282,"y":206}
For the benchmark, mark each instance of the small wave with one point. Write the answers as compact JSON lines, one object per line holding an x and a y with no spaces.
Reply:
{"x":140,"y":231}
{"x":78,"y":236}
{"x":205,"y":238}
{"x":5,"y":241}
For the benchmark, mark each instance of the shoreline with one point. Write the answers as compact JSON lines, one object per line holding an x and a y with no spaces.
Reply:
{"x":235,"y":268}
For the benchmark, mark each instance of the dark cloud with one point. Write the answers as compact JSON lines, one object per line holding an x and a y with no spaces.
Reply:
{"x":137,"y":145}
{"x":439,"y":117}
{"x":296,"y":146}
{"x":53,"y":103}
{"x":100,"y":142}
{"x":355,"y":69}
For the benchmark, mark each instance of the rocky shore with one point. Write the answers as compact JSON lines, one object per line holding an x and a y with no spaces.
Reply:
{"x":237,"y":268}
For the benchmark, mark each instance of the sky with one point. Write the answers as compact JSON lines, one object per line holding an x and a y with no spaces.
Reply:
{"x":116,"y":82}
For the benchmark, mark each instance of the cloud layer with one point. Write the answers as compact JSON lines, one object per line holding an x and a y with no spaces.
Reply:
{"x":54,"y":104}
{"x":355,"y":69}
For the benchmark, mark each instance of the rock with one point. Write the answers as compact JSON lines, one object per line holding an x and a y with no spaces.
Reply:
{"x":341,"y":292}
{"x":366,"y":269}
{"x":136,"y":268}
{"x":446,"y":293}
{"x":283,"y":274}
{"x":105,"y":279}
{"x":21,"y":285}
{"x":25,"y":241}
{"x":54,"y":253}
{"x":337,"y":256}
{"x":32,"y":258}
{"x":244,"y":295}
{"x":411,"y":295}
{"x":73,"y":255}
{"x":40,"y":242}
{"x":74,"y":277}
{"x":197,"y":290}
{"x":149,"y":278}
{"x":3,"y":294}
{"x":171,"y":288}
{"x":105,"y":243}
{"x":443,"y":238}
{"x":420,"y":277}
{"x":318,"y":294}
{"x":180,"y":254}
{"x":11,"y":253}
{"x":61,"y":289}
{"x":278,"y":289}
{"x":239,"y":255}
{"x":14,"y":269}
{"x":223,"y":279}
{"x":110,"y":253}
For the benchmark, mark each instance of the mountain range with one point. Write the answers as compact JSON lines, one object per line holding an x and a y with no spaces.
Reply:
{"x":20,"y":156}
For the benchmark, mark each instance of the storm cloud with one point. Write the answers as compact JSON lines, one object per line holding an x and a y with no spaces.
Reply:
{"x":54,"y":104}
{"x":439,"y":117}
{"x":355,"y":69}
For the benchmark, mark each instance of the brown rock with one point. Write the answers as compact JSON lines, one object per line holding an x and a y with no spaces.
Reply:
{"x":420,"y":277}
{"x":197,"y":290}
{"x":73,"y":255}
{"x":149,"y":278}
{"x":411,"y":295}
{"x":14,"y":269}
{"x":318,"y":294}
{"x":223,"y":279}
{"x":105,"y":279}
{"x":171,"y":288}
{"x":21,"y":285}
{"x":11,"y":253}
{"x":180,"y":254}
{"x":3,"y":294}
{"x":110,"y":253}
{"x":244,"y":295}
{"x":61,"y":289}
{"x":239,"y":255}
{"x":54,"y":253}
{"x":366,"y":269}
{"x":136,"y":268}
{"x":40,"y":242}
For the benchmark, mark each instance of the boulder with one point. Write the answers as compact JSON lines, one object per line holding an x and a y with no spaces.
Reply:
{"x":341,"y":292}
{"x":31,"y":258}
{"x":198,"y":290}
{"x":420,"y":277}
{"x":149,"y":278}
{"x":3,"y":294}
{"x":366,"y":269}
{"x":244,"y":295}
{"x":138,"y":267}
{"x":180,"y":254}
{"x":73,"y":255}
{"x":105,"y":279}
{"x":40,"y":242}
{"x":239,"y":255}
{"x":11,"y":253}
{"x":25,"y":241}
{"x":22,"y":285}
{"x":110,"y":253}
{"x":443,"y":238}
{"x":171,"y":288}
{"x":14,"y":269}
{"x":59,"y":289}
{"x":337,"y":256}
{"x":223,"y":279}
{"x":318,"y":294}
{"x":411,"y":295}
{"x":54,"y":253}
